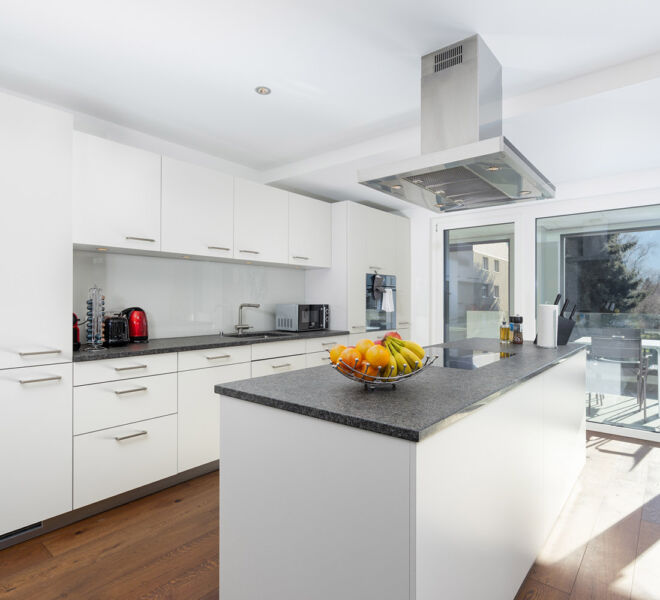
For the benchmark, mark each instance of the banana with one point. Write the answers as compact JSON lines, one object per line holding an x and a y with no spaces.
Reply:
{"x":411,"y":358}
{"x":403,"y":367}
{"x":391,"y":369}
{"x":415,"y":348}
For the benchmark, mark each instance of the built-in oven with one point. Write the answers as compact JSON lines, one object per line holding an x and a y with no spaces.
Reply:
{"x":302,"y":317}
{"x":380,"y":302}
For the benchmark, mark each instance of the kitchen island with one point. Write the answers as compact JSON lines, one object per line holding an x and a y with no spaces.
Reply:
{"x":445,"y":487}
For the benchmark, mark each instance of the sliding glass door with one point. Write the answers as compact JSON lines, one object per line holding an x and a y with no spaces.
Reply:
{"x":608,"y":264}
{"x":478,"y":280}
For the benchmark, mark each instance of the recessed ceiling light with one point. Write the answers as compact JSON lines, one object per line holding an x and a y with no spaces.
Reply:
{"x":417,"y":181}
{"x":396,"y":187}
{"x":525,"y":192}
{"x":262,"y":90}
{"x":493,"y":169}
{"x":186,"y":256}
{"x":102,"y":249}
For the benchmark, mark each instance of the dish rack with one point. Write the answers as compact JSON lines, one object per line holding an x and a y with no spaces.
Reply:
{"x":380,"y":381}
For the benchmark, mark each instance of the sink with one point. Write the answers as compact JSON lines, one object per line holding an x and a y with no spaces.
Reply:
{"x":264,"y":335}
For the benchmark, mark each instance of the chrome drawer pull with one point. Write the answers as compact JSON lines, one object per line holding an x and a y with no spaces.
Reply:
{"x":404,"y":323}
{"x":328,"y":343}
{"x":128,"y":436}
{"x":357,"y":326}
{"x":120,"y":369}
{"x":139,"y":239}
{"x":301,"y":257}
{"x":40,"y":379}
{"x":137,"y":389}
{"x":219,"y":356}
{"x":376,"y":268}
{"x":218,"y":248}
{"x":281,"y":366}
{"x":249,"y":251}
{"x":39,"y":352}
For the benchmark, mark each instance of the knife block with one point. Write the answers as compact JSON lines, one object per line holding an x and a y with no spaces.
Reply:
{"x":564,"y":330}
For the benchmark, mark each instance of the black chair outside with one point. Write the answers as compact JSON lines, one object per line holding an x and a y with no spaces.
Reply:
{"x":617,"y":349}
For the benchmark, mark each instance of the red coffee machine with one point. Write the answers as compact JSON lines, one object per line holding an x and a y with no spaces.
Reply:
{"x":138,"y":330}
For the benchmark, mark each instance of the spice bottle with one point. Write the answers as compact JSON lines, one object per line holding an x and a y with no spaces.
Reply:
{"x":504,"y":333}
{"x":516,"y":323}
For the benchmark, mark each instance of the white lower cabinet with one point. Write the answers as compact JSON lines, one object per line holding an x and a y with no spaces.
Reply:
{"x":316,"y":359}
{"x":116,"y":460}
{"x":199,"y":413}
{"x":35,"y":444}
{"x":113,"y":403}
{"x":273,"y":366}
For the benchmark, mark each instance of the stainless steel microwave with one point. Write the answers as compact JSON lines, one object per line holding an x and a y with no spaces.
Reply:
{"x":302,"y":317}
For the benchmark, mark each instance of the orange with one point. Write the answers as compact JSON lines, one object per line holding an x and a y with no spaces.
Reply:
{"x":350,"y":357}
{"x":335,"y":353}
{"x":371,"y":373}
{"x":363,"y":345}
{"x":377,"y":356}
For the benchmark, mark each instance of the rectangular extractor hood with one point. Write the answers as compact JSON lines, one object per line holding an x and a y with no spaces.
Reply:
{"x":465,"y":161}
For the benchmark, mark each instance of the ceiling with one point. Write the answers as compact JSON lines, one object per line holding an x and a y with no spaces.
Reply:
{"x":341,"y":72}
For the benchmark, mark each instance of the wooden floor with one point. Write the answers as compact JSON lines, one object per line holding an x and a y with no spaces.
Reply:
{"x":605,"y":545}
{"x":161,"y":546}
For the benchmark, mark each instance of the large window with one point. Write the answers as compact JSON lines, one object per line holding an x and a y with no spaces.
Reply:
{"x":476,"y":298}
{"x":608,"y":264}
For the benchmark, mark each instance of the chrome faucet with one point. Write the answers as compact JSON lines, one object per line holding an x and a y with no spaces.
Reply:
{"x":241,"y":327}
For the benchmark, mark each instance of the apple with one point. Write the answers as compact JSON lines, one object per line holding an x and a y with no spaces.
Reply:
{"x":393,"y":334}
{"x":378,"y":342}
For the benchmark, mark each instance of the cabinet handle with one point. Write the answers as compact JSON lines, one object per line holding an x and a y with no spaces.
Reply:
{"x":218,"y":248}
{"x":39,"y":352}
{"x":249,"y":251}
{"x":139,"y":239}
{"x":301,"y":257}
{"x":357,"y":326}
{"x":120,"y":369}
{"x":404,"y":322}
{"x":219,"y":356}
{"x":328,"y":343}
{"x":281,"y":366}
{"x":376,"y":268}
{"x":40,"y":379}
{"x":137,"y":389}
{"x":128,"y":436}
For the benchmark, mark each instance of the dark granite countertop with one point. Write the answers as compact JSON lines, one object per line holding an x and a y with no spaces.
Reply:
{"x":418,"y":407}
{"x":196,"y":342}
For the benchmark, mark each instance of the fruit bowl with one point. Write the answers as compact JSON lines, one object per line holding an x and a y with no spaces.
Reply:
{"x":382,"y":380}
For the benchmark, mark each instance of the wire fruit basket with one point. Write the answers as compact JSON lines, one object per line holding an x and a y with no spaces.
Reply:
{"x":382,"y":380}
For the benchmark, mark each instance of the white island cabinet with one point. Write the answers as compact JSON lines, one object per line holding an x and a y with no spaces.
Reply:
{"x":327,"y":494}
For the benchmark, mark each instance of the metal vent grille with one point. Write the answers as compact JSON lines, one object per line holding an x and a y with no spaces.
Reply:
{"x":448,"y":58}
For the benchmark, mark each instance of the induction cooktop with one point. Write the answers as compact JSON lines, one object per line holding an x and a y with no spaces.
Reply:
{"x":459,"y":358}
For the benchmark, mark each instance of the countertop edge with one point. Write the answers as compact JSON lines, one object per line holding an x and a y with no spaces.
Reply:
{"x":411,"y":435}
{"x":475,"y":406}
{"x":123,"y":352}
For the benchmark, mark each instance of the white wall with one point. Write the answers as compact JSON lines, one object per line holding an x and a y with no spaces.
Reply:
{"x":185,"y":297}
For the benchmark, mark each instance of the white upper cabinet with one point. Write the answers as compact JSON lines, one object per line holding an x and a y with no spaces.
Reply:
{"x":310,"y":232}
{"x":197,"y":210}
{"x":35,"y":234}
{"x":261,"y":222}
{"x":116,"y":194}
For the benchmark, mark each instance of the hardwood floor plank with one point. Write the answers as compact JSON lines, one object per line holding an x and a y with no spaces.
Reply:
{"x":105,"y":562}
{"x":534,"y":590}
{"x":646,"y":578}
{"x":22,"y":556}
{"x":160,"y":505}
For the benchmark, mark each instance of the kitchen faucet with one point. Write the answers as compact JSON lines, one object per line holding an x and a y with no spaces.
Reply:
{"x":241,"y":327}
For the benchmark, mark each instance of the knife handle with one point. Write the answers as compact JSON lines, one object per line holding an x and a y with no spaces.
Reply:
{"x":557,"y":299}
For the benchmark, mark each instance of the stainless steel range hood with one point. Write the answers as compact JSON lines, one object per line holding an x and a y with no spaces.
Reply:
{"x":465,"y":161}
